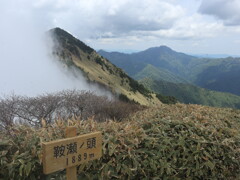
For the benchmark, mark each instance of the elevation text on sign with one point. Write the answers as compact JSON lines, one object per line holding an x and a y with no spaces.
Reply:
{"x":65,"y":153}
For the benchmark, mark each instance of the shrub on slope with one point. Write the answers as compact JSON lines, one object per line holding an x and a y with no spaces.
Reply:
{"x":64,"y":104}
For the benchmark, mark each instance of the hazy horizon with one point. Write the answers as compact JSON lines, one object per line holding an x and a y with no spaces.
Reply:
{"x":130,"y":51}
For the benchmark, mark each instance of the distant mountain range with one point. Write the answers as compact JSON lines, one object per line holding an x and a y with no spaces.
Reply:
{"x":214,"y":55}
{"x":162,"y":58}
{"x":163,"y":65}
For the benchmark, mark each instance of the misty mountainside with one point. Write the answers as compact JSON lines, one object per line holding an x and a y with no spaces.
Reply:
{"x":98,"y":70}
{"x":169,"y":65}
{"x":191,"y":94}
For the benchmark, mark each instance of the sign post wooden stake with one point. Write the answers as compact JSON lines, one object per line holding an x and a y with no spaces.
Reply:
{"x":71,"y":171}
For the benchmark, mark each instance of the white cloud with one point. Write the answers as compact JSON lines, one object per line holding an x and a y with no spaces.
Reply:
{"x":120,"y":19}
{"x":114,"y":23}
{"x":226,"y":10}
{"x":26,"y":66}
{"x":98,"y":18}
{"x":194,"y":27}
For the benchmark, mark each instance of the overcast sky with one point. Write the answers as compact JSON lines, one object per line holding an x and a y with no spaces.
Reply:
{"x":191,"y":26}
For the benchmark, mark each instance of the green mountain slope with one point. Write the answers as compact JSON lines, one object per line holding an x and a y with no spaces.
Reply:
{"x":215,"y":74}
{"x":154,"y":73}
{"x":165,"y":58}
{"x":187,"y":93}
{"x":137,"y":65}
{"x":159,"y":57}
{"x":124,"y":61}
{"x":223,"y":76}
{"x":97,"y":69}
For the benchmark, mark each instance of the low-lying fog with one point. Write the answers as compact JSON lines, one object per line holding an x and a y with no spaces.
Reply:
{"x":26,"y":64}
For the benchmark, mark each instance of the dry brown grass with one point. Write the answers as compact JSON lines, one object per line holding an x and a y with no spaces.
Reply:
{"x":167,"y":142}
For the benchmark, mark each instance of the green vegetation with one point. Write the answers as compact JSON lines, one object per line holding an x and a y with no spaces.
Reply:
{"x":187,"y":93}
{"x":124,"y":98}
{"x":170,"y":73}
{"x":99,"y":61}
{"x":70,"y":42}
{"x":139,"y":87}
{"x":172,"y":65}
{"x":223,"y":76}
{"x":158,"y":73}
{"x":69,"y":62}
{"x":123,"y":61}
{"x":169,"y":142}
{"x":167,"y":99}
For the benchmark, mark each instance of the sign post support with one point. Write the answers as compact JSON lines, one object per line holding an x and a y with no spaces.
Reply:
{"x":71,"y":172}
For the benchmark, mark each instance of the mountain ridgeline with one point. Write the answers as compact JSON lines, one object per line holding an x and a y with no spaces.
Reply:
{"x":190,"y":79}
{"x":75,"y":54}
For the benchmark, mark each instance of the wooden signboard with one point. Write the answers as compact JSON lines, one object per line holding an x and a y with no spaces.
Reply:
{"x":70,"y":152}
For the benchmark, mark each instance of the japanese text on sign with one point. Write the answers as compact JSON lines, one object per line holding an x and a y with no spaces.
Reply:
{"x":70,"y":152}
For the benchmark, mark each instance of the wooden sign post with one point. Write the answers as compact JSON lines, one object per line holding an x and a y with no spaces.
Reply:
{"x":71,"y":172}
{"x":70,"y":152}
